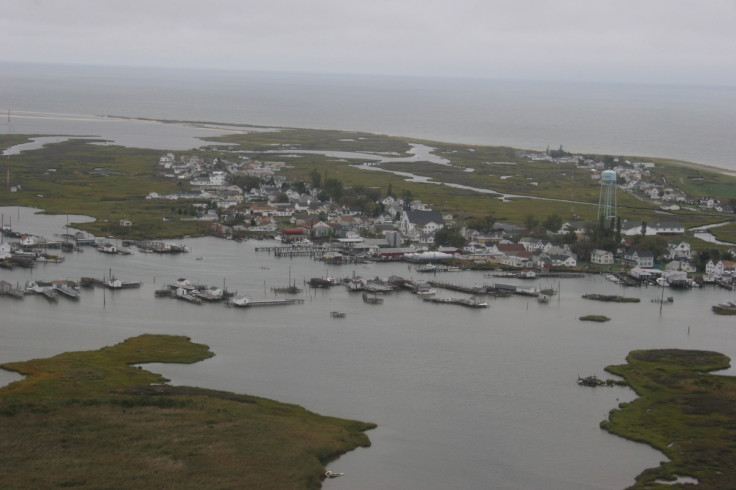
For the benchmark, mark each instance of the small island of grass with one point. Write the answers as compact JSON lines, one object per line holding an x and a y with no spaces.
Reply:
{"x":682,"y":411}
{"x":93,"y":420}
{"x":611,"y":298}
{"x":594,"y":318}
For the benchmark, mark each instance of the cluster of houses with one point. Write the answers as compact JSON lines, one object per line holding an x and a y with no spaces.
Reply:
{"x":635,"y":177}
{"x":407,"y":222}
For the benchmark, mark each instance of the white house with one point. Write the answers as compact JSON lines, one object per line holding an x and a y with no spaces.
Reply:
{"x":602,"y":257}
{"x":679,"y":250}
{"x":680,"y":265}
{"x":533,"y":244}
{"x":632,"y":228}
{"x":421,"y":221}
{"x":5,"y":251}
{"x":266,"y":225}
{"x":643,"y":259}
{"x":563,"y":260}
{"x":29,"y":240}
{"x":321,"y":229}
{"x":719,"y":268}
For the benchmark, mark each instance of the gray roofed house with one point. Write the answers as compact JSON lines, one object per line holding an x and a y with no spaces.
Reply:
{"x":421,"y":221}
{"x":639,"y":258}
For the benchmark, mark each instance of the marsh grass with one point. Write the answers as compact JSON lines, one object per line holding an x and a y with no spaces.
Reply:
{"x":594,"y":318}
{"x":92,"y":420}
{"x":683,"y":411}
{"x":110,"y":182}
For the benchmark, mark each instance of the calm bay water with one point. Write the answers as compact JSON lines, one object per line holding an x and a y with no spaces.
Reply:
{"x":463,"y":398}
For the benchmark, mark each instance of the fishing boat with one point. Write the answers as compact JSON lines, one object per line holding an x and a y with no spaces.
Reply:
{"x":186,"y":295}
{"x":338,"y":314}
{"x":67,"y":290}
{"x":211,"y":294}
{"x":50,"y":295}
{"x":289,"y":289}
{"x":114,"y":283}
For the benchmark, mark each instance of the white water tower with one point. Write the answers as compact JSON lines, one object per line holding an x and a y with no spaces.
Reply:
{"x":607,"y":202}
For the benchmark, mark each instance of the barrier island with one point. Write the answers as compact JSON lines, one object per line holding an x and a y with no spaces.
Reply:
{"x":94,"y":419}
{"x":684,"y":411}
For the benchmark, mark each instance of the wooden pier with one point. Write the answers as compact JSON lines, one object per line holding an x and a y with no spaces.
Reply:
{"x":315,"y":252}
{"x":467,"y":302}
{"x":372,"y":300}
{"x":248,"y":302}
{"x":459,"y":287}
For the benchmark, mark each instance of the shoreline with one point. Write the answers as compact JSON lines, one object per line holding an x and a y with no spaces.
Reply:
{"x":225,"y":128}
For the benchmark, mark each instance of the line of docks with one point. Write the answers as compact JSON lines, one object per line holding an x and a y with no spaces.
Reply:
{"x":468,"y":302}
{"x":327,"y":254}
{"x":497,"y":289}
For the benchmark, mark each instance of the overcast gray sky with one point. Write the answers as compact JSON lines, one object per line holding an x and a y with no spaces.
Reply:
{"x":620,"y":40}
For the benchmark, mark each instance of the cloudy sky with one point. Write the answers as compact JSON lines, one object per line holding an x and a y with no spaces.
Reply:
{"x":679,"y":41}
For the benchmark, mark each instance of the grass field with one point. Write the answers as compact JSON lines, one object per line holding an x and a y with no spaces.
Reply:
{"x":110,"y":183}
{"x":93,"y":420}
{"x":682,"y":411}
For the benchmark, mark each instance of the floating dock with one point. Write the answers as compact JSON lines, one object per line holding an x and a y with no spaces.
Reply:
{"x":248,"y":302}
{"x":468,"y":302}
{"x":459,"y":287}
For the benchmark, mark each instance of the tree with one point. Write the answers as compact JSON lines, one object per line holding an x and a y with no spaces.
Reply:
{"x":656,"y":244}
{"x":530,"y":222}
{"x":483,"y":224}
{"x":449,"y":237}
{"x":316,"y":178}
{"x":334,"y":188}
{"x":643,"y":228}
{"x":552,"y":223}
{"x":300,"y":186}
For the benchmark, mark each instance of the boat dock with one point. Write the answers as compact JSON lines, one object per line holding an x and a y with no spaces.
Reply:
{"x":467,"y":302}
{"x":459,"y":287}
{"x":372,"y":300}
{"x":300,"y":251}
{"x":244,"y":302}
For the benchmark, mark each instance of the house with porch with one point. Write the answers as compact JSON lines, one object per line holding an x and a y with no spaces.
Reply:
{"x":601,"y":257}
{"x":644,"y":259}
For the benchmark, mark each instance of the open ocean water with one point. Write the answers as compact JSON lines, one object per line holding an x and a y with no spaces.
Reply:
{"x":462,"y":398}
{"x":691,"y":123}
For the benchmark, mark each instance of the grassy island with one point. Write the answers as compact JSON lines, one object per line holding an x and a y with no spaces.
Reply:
{"x":594,"y":318}
{"x":682,"y":411}
{"x":93,"y":420}
{"x":611,"y":298}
